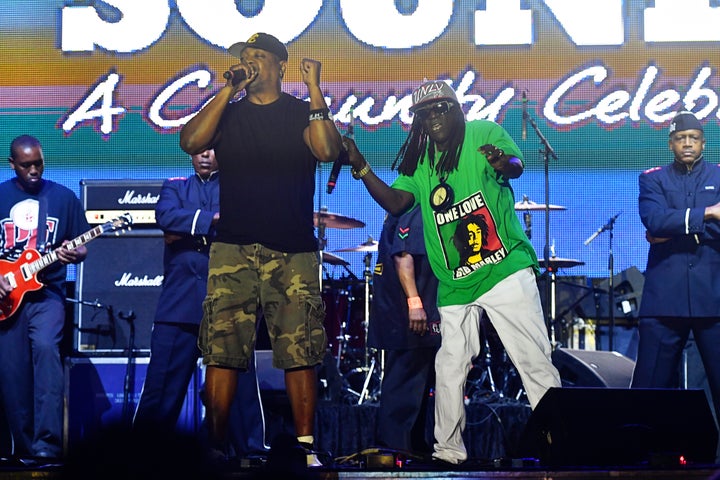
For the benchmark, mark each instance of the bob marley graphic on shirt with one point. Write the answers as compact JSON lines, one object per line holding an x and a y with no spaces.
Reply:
{"x":469,"y":236}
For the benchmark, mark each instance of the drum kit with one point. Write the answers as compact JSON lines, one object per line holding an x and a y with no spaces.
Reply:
{"x":347,"y":317}
{"x":347,"y":314}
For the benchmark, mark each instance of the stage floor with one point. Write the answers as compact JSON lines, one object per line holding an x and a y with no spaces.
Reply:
{"x":699,"y":472}
{"x":494,"y":430}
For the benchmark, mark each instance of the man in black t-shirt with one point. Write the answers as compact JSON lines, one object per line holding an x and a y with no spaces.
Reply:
{"x":267,"y":145}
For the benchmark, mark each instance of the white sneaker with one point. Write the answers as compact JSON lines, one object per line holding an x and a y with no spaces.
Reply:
{"x":312,"y":459}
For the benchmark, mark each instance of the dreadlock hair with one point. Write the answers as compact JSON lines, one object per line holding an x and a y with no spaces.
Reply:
{"x":418,"y":140}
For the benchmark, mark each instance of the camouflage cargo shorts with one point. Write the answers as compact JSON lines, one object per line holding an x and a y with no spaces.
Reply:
{"x":286,"y":285}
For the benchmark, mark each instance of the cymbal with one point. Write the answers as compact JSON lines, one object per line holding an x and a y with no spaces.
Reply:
{"x":557,"y":262}
{"x":331,"y":259}
{"x":369,"y":245}
{"x":335,"y":220}
{"x":530,"y":205}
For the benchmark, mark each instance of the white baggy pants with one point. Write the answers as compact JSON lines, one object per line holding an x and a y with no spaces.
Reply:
{"x":514,"y":308}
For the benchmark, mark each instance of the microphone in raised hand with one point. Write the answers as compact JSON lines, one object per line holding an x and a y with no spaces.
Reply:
{"x":342,"y":158}
{"x":237,"y":76}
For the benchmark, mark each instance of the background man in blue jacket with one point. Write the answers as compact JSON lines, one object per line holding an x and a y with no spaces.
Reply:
{"x":187,"y":212}
{"x":679,"y":205}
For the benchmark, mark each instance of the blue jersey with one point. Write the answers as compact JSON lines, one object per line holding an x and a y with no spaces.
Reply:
{"x":65,"y":220}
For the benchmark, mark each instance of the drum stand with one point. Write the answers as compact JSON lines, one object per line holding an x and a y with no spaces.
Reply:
{"x":322,"y":243}
{"x":370,"y":361}
{"x":343,"y":337}
{"x":551,"y":297}
{"x":488,"y":374}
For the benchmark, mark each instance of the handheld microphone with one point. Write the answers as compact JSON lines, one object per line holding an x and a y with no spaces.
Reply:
{"x":524,"y":116}
{"x":332,"y":180}
{"x":236,"y":75}
{"x":342,"y":158}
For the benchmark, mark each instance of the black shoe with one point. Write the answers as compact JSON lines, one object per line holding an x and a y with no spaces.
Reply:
{"x":44,"y":458}
{"x":287,"y":458}
{"x":250,"y":461}
{"x":441,"y":464}
{"x":215,"y":457}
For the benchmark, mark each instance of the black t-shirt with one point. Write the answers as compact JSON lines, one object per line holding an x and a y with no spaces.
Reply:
{"x":267,"y":183}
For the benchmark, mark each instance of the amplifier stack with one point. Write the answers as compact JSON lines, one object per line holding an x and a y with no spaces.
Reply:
{"x":119,"y":282}
{"x":106,"y":199}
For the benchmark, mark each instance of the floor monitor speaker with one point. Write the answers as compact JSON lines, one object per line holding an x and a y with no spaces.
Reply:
{"x":593,"y":368}
{"x":623,"y":427}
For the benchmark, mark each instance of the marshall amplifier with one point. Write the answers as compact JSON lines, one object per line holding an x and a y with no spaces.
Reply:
{"x":106,"y":199}
{"x":117,"y":289}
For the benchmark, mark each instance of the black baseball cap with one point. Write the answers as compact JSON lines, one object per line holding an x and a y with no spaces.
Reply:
{"x":684,"y":121}
{"x":263,"y":41}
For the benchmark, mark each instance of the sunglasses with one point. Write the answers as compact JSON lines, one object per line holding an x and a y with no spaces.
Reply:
{"x":439,"y":108}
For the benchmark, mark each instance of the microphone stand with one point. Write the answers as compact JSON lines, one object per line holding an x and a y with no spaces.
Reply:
{"x":99,"y":330}
{"x":611,"y":267}
{"x":547,"y":152}
{"x":129,"y":370}
{"x":611,"y":287}
{"x":95,"y":304}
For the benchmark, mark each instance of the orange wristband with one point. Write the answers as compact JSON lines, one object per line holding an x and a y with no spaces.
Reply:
{"x":414,"y":302}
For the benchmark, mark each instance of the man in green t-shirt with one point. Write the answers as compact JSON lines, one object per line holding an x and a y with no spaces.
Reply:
{"x":459,"y":173}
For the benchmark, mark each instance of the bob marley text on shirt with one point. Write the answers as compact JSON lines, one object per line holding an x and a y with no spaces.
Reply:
{"x":469,"y":236}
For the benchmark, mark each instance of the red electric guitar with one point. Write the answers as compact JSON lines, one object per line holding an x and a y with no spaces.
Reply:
{"x":22,"y":273}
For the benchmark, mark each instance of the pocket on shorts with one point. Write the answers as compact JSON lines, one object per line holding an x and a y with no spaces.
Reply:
{"x":203,"y":335}
{"x":315,"y":318}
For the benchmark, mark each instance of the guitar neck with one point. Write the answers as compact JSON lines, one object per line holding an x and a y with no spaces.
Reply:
{"x":52,"y":257}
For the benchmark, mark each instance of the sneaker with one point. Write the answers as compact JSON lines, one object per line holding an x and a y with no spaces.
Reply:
{"x":312,"y":455}
{"x":215,"y":456}
{"x":287,"y":459}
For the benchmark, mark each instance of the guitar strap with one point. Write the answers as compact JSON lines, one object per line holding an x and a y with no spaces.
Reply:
{"x":41,"y":244}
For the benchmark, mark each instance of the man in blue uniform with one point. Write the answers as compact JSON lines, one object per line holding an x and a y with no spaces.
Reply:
{"x":406,"y":324}
{"x":41,"y":215}
{"x":679,"y":205}
{"x":187,"y":212}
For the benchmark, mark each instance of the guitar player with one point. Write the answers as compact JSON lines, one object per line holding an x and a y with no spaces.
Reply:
{"x":31,"y":372}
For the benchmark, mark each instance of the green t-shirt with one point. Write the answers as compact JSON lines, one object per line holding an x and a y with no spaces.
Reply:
{"x":478,"y":240}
